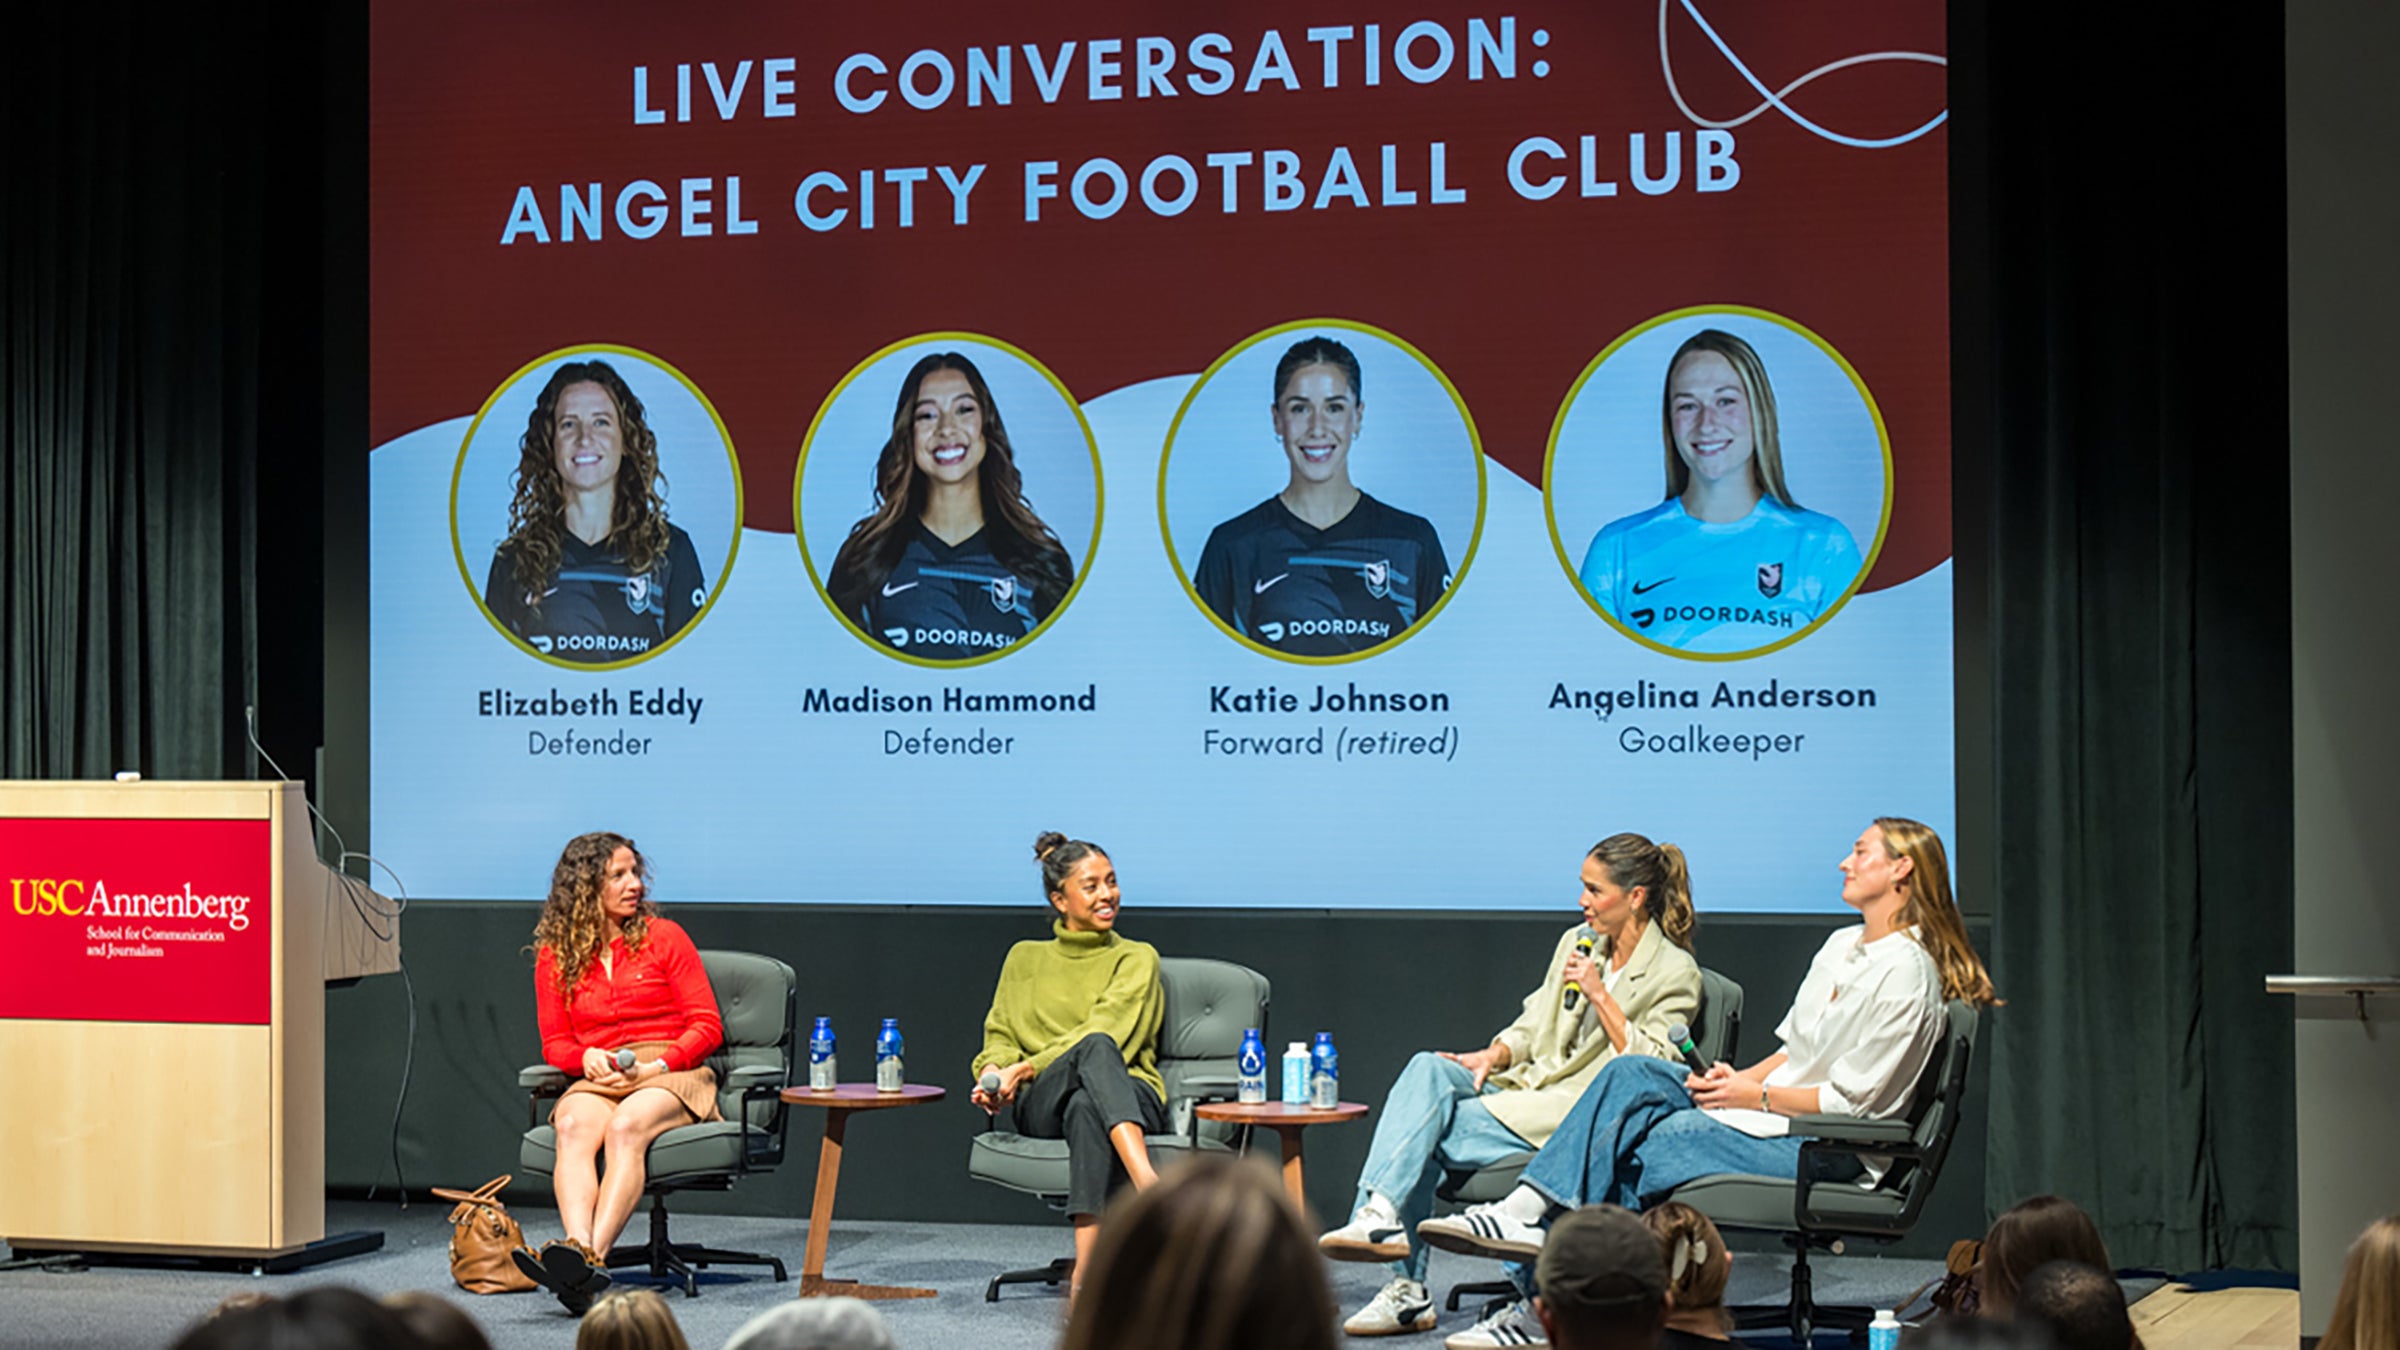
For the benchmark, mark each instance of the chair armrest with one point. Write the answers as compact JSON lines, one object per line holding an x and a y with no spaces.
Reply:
{"x":1853,"y":1130}
{"x":755,"y":1076}
{"x":542,"y":1080}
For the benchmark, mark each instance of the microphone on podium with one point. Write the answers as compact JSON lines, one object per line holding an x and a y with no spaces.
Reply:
{"x":1583,"y":947}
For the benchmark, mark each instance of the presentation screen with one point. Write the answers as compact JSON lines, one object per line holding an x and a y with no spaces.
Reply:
{"x":1332,"y":457}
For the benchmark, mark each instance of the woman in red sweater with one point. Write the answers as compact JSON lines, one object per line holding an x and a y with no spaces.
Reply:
{"x":611,"y":976}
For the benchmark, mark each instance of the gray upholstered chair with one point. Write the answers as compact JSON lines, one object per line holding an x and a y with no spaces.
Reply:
{"x":1717,"y":1036}
{"x":756,"y":997}
{"x":1807,"y":1211}
{"x":1209,"y":1003}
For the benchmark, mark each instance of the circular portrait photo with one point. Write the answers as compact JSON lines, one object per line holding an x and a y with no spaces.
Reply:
{"x":1322,"y":490}
{"x":948,"y":499}
{"x":596,"y":506}
{"x":1718,"y":482}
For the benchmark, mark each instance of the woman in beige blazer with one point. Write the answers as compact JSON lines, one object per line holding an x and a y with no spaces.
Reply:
{"x":1613,"y":986}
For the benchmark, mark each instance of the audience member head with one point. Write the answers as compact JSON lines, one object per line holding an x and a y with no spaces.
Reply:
{"x":1601,"y":1282}
{"x":2033,"y":1232}
{"x":437,"y":1322}
{"x":1697,"y":1267}
{"x":328,"y":1318}
{"x":816,"y":1324}
{"x":1972,"y":1333}
{"x":630,"y":1319}
{"x":2366,"y":1313}
{"x":2079,"y":1302}
{"x":1212,"y":1257}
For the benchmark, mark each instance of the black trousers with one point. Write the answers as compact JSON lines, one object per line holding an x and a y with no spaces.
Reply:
{"x":1084,"y":1094}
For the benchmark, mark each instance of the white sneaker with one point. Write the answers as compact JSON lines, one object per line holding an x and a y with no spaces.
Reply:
{"x":1402,"y":1305}
{"x":1485,"y":1230}
{"x":1511,"y":1324}
{"x":1366,"y":1238}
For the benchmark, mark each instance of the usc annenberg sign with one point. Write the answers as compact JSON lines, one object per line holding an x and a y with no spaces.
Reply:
{"x":135,"y":920}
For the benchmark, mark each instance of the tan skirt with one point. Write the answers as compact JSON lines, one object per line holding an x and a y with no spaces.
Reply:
{"x":695,"y":1088}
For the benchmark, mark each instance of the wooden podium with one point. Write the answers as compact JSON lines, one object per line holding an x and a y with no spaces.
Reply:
{"x":164,"y":949}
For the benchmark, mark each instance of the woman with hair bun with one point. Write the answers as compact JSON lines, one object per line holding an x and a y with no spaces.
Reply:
{"x":1072,"y":1036}
{"x":1697,"y":1267}
{"x":592,"y":569}
{"x":626,"y":1010}
{"x":1867,"y":1019}
{"x":1614,"y":984}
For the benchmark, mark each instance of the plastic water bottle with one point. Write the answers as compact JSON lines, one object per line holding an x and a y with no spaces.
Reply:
{"x":820,"y":1056}
{"x":1324,"y":1073}
{"x":1252,"y":1065}
{"x":1295,"y":1074}
{"x":1884,"y":1332}
{"x":888,"y":1047}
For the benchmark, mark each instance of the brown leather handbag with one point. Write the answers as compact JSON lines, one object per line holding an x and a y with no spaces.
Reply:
{"x":481,"y":1236}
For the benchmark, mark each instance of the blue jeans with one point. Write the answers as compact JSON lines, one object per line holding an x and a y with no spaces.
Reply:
{"x":1430,"y":1119}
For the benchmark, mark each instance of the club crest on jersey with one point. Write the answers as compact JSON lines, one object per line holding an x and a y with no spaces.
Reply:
{"x":1004,"y":593}
{"x":637,"y":592}
{"x":1770,"y":579}
{"x":1378,"y":576}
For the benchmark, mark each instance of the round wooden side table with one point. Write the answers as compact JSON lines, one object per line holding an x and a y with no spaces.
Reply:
{"x":839,"y":1102}
{"x":1287,"y":1122}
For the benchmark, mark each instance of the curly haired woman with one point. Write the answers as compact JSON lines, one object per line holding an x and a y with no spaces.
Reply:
{"x":591,"y":569}
{"x":626,"y":1009}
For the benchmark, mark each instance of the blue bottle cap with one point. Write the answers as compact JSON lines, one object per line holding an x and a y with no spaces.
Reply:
{"x":1324,"y":1037}
{"x":824,"y":1021}
{"x":891,"y":1021}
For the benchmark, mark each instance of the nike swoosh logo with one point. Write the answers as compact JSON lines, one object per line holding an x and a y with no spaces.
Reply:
{"x":1260,"y":587}
{"x":890,"y":589}
{"x":1638,"y":588}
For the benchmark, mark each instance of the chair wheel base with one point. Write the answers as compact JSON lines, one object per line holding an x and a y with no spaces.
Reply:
{"x":1055,"y":1274}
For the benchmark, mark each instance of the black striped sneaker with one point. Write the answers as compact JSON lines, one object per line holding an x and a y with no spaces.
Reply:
{"x":1485,"y":1230}
{"x":1513,"y":1324}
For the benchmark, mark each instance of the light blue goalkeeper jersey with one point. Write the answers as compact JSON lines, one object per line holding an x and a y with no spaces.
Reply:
{"x":1702,"y":587}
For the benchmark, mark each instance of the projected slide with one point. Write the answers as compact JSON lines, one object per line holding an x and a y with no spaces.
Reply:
{"x":1333,"y":458}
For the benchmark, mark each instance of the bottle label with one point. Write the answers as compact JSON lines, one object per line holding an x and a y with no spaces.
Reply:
{"x":821,"y":1073}
{"x":888,"y":1077}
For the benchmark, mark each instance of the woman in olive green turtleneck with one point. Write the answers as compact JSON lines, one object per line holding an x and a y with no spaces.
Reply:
{"x":1073,"y":1036}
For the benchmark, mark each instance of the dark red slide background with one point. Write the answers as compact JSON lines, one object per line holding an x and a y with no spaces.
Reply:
{"x":1509,"y":297}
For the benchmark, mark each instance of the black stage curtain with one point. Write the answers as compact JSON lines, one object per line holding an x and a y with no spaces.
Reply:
{"x":2131,"y":477}
{"x":152,"y":274}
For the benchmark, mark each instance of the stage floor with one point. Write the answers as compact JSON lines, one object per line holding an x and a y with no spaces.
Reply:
{"x":124,"y":1308}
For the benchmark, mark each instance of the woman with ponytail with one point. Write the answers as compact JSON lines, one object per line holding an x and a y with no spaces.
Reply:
{"x":1868,"y":1017}
{"x":1071,"y":1043}
{"x":1614,"y":984}
{"x":1697,"y":1267}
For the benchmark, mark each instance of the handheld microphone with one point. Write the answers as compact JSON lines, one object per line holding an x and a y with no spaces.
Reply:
{"x":624,"y":1061}
{"x":1680,"y":1036}
{"x":990,"y":1082}
{"x":1583,"y":947}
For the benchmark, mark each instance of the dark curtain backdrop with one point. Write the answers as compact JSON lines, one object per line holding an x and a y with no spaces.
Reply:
{"x":157,"y":310}
{"x":2125,"y":444}
{"x":177,"y":192}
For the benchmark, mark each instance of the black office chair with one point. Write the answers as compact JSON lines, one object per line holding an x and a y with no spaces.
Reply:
{"x":1808,"y":1211}
{"x":1209,"y":1004}
{"x":1717,"y":1035}
{"x":756,"y":996}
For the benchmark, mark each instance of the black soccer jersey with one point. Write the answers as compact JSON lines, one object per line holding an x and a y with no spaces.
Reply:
{"x":1283,"y":583}
{"x":948,"y":602}
{"x":599,"y":609}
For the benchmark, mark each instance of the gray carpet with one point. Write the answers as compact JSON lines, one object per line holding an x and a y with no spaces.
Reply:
{"x":137,"y":1307}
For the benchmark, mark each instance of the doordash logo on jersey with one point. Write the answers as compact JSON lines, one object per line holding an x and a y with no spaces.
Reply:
{"x":75,"y":898}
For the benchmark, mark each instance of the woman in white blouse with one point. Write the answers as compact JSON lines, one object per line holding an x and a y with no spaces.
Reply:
{"x":1867,"y":1018}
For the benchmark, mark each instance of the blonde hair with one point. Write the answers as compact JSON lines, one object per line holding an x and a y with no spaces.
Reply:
{"x":1766,"y":440}
{"x":1928,"y":906}
{"x":1697,"y":1262}
{"x":1663,"y":875}
{"x":630,"y":1319}
{"x":2366,"y":1313}
{"x":1211,"y":1257}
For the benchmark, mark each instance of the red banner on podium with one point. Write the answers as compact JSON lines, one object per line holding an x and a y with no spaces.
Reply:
{"x":136,"y":920}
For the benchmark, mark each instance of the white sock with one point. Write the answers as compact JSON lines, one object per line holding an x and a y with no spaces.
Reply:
{"x":1524,"y":1204}
{"x":1377,"y":1212}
